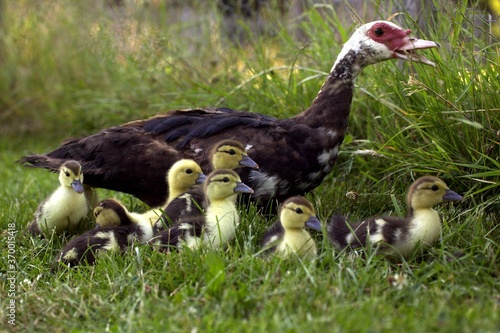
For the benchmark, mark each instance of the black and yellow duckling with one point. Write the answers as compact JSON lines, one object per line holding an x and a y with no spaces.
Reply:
{"x":183,"y":175}
{"x":218,"y":225}
{"x":294,"y":154}
{"x":66,"y":207}
{"x":288,"y":236}
{"x":398,"y":235}
{"x":227,"y":154}
{"x":118,"y":230}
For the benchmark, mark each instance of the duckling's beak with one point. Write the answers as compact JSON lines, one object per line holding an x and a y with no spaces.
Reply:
{"x":248,"y":162}
{"x":242,"y":188}
{"x":77,"y":186}
{"x":201,"y":178}
{"x":313,"y":223}
{"x":452,"y":196}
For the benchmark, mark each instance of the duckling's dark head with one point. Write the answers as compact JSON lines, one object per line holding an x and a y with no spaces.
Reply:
{"x":231,"y":154}
{"x":297,"y":213}
{"x":428,"y":191}
{"x":70,"y":175}
{"x":224,"y":183}
{"x":110,"y":212}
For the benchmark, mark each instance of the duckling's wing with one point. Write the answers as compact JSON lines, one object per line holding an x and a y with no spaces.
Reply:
{"x":394,"y":231}
{"x":81,"y":249}
{"x":34,"y":226}
{"x":190,"y":204}
{"x":272,"y":237}
{"x":174,"y":236}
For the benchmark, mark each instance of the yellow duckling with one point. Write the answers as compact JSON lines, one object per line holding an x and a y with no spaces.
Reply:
{"x":288,"y":236}
{"x":66,"y":207}
{"x":398,"y":235}
{"x":119,"y":229}
{"x":218,"y":225}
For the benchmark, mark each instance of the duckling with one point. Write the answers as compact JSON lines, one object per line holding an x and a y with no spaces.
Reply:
{"x":118,"y":230}
{"x":231,"y":154}
{"x":288,"y":237}
{"x":218,"y":225}
{"x":398,"y":235}
{"x":180,"y":177}
{"x":227,"y":154}
{"x":66,"y":207}
{"x":307,"y":143}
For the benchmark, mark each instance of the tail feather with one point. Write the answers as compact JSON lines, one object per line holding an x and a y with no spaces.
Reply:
{"x":41,"y":161}
{"x":338,"y":229}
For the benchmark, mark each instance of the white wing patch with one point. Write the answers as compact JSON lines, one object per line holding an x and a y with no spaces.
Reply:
{"x":332,"y":134}
{"x":71,"y":254}
{"x":187,"y":197}
{"x":112,"y":243}
{"x":265,"y":185}
{"x":327,"y":155}
{"x":378,"y":236}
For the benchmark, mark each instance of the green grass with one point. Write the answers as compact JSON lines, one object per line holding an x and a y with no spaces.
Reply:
{"x":68,"y":68}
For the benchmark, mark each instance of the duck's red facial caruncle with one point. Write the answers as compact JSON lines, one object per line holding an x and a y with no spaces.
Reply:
{"x":399,"y":42}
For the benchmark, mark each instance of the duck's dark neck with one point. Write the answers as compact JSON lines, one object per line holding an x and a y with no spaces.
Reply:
{"x":331,"y":107}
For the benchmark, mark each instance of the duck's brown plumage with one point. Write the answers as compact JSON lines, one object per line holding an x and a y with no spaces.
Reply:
{"x":294,"y":154}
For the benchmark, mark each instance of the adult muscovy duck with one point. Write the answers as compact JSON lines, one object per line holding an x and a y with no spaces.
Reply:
{"x":294,"y":154}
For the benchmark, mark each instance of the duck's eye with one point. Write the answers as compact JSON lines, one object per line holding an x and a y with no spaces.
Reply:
{"x":379,"y":31}
{"x":225,"y":180}
{"x":189,"y":171}
{"x":66,"y":173}
{"x":298,"y":211}
{"x":231,"y":152}
{"x":435,"y":188}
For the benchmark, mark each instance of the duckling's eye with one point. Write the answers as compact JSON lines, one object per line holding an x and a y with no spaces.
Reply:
{"x":66,"y":173}
{"x":189,"y":171}
{"x":231,"y":152}
{"x":299,"y":211}
{"x":379,"y":31}
{"x":435,"y":188}
{"x":225,"y":180}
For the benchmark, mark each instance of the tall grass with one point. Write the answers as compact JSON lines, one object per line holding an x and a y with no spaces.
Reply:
{"x":71,"y":68}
